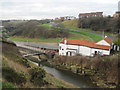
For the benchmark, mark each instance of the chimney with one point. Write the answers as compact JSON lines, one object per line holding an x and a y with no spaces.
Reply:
{"x":65,"y":41}
{"x":105,"y":36}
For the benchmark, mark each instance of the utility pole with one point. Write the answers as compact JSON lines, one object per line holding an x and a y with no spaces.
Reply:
{"x":103,"y":33}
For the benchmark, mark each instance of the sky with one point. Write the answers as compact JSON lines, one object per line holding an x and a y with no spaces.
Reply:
{"x":50,"y":9}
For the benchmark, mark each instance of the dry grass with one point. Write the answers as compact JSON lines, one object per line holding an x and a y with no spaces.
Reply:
{"x":18,"y":67}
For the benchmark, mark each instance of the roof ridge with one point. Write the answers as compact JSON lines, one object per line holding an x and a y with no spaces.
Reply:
{"x":87,"y":43}
{"x":81,"y":40}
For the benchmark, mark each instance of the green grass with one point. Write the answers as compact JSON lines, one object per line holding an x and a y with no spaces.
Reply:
{"x":78,"y":36}
{"x":7,"y":85}
{"x":74,"y":35}
{"x":73,"y":25}
{"x":89,"y":30}
{"x":46,"y":25}
{"x":50,"y":40}
{"x":91,"y":35}
{"x":22,"y":39}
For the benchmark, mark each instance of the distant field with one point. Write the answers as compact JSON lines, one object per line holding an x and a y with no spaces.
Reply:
{"x":51,"y":40}
{"x":73,"y":25}
{"x":73,"y":34}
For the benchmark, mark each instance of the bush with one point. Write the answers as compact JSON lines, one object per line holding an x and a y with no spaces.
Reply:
{"x":7,"y":85}
{"x":40,"y":31}
{"x":24,"y":62}
{"x":12,"y":76}
{"x":103,"y":23}
{"x":37,"y":75}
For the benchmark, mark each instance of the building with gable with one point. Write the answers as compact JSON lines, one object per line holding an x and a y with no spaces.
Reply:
{"x":71,"y":47}
{"x":117,"y":15}
{"x":92,"y":14}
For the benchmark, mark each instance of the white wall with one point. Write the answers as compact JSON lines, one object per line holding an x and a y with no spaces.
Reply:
{"x":66,"y":48}
{"x":106,"y":52}
{"x":62,"y":52}
{"x":83,"y":50}
{"x":72,"y":46}
{"x":103,"y":42}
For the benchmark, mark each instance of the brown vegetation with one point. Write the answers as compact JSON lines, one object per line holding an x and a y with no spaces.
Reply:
{"x":17,"y":72}
{"x":100,"y":68}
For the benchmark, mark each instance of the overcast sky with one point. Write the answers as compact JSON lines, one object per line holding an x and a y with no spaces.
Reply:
{"x":41,"y":9}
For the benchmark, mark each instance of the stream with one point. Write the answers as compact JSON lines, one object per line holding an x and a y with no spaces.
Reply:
{"x":70,"y":77}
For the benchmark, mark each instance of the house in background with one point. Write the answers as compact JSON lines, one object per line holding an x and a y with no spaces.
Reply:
{"x":92,"y":14}
{"x":69,"y":17}
{"x":117,"y":14}
{"x":71,"y":47}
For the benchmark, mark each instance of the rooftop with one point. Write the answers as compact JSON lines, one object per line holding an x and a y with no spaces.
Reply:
{"x":92,"y":13}
{"x":86,"y":43}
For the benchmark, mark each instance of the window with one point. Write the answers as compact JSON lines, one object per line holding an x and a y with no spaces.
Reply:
{"x":60,"y":47}
{"x":95,"y":52}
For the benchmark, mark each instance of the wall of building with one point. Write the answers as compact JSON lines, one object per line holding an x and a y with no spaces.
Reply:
{"x":82,"y":50}
{"x":85,"y":51}
{"x":102,"y":52}
{"x":62,"y":49}
{"x":65,"y":48}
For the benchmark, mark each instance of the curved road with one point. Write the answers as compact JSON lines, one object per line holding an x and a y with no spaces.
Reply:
{"x":111,"y":38}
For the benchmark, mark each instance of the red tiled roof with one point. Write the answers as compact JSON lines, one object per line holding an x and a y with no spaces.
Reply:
{"x":91,"y":44}
{"x":93,"y":13}
{"x":108,"y":40}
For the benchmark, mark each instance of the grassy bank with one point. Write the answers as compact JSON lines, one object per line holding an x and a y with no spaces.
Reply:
{"x":73,"y":24}
{"x":50,"y":40}
{"x":16,"y":72}
{"x":94,"y":37}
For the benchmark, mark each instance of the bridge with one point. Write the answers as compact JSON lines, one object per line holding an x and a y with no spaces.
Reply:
{"x":34,"y":54}
{"x":47,"y":54}
{"x":38,"y":50}
{"x":40,"y":60}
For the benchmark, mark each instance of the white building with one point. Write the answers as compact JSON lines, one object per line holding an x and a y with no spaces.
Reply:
{"x":69,"y":18}
{"x":71,"y":47}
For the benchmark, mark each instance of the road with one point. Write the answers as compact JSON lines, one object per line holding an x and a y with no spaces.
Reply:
{"x":111,"y":38}
{"x":33,"y":46}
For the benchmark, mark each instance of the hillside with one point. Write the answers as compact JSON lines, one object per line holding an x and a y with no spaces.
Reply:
{"x":70,"y":23}
{"x":34,"y":29}
{"x":18,"y":72}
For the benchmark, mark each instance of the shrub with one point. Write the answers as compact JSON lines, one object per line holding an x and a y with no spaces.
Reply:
{"x":7,"y":85}
{"x":24,"y":62}
{"x":12,"y":76}
{"x":103,"y":23}
{"x":37,"y":75}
